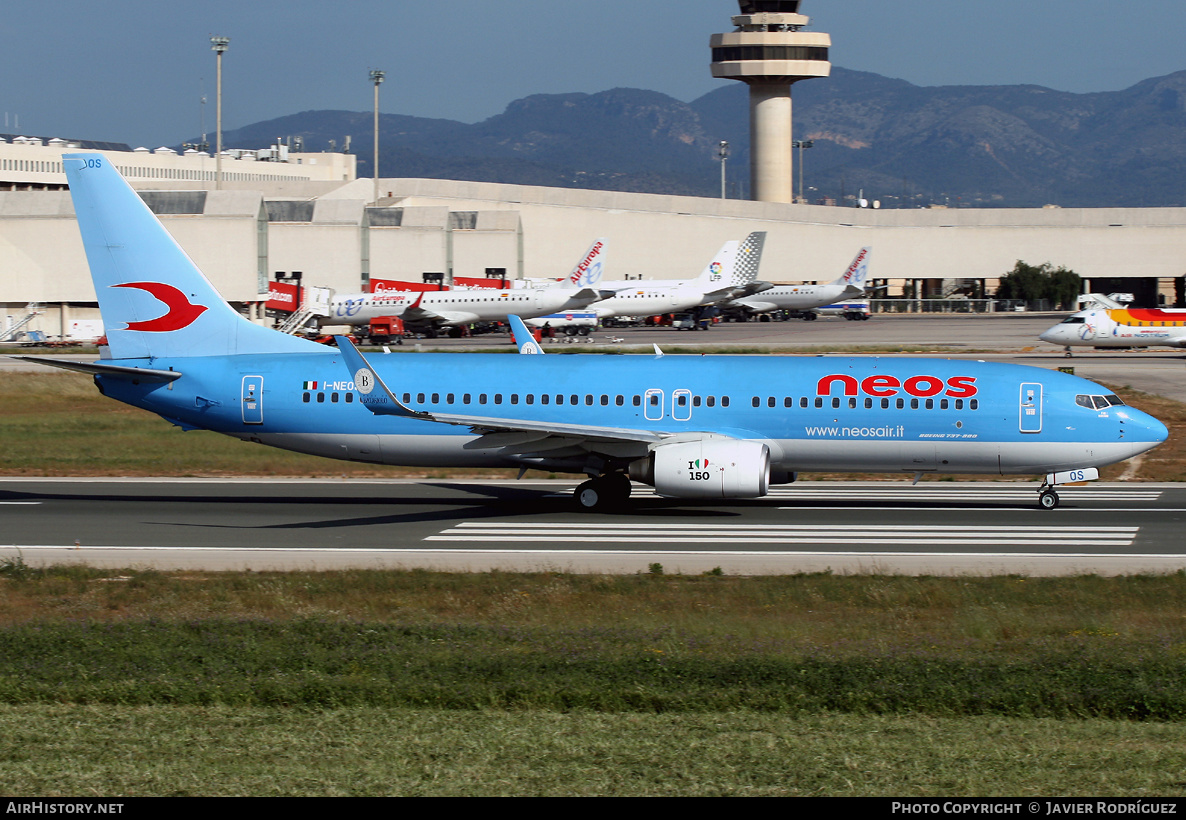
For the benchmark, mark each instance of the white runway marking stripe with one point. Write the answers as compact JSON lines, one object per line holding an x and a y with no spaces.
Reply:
{"x":685,"y":534}
{"x":961,"y":493}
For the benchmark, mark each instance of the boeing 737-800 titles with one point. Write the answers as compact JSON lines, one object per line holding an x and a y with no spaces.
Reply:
{"x":431,"y":310}
{"x":850,"y":285}
{"x":695,"y":427}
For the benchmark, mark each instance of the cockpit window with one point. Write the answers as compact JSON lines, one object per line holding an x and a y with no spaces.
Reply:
{"x":1074,"y":320}
{"x":1099,"y":402}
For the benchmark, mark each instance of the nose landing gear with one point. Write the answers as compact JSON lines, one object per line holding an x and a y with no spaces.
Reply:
{"x":1048,"y":499}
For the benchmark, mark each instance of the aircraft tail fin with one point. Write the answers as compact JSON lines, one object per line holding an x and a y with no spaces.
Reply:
{"x":749,"y":258}
{"x":718,"y":272}
{"x":589,"y":270}
{"x":856,"y":274}
{"x":153,"y":298}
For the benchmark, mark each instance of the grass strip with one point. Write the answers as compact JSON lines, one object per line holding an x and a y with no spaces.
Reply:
{"x":324,"y":664}
{"x":49,"y":751}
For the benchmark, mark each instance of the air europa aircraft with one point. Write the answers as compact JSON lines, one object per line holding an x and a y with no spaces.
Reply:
{"x":428,"y":311}
{"x":696,"y":427}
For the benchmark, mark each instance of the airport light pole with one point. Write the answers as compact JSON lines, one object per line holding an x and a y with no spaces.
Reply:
{"x":801,"y":144}
{"x":219,"y":46}
{"x":723,"y":154}
{"x":377,"y":79}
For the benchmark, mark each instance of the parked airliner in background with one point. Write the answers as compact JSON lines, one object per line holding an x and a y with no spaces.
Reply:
{"x":732,"y":272}
{"x":1119,"y":328}
{"x":429,"y":311}
{"x":694,"y":427}
{"x":850,"y":285}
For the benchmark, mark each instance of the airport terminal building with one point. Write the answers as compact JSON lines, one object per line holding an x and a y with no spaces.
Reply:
{"x":278,"y":212}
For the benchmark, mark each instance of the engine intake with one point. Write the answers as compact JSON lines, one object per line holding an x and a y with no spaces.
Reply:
{"x":707,"y":469}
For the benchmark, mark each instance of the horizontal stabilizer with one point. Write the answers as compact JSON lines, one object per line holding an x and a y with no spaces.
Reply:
{"x":139,"y":374}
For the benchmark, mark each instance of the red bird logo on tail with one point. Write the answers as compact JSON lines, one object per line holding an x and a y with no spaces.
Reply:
{"x":181,"y":314}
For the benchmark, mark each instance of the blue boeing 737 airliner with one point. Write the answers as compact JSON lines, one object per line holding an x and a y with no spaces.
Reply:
{"x":697,"y":427}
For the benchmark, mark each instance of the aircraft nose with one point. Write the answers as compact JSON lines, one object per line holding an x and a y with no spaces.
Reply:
{"x":1144,"y":431}
{"x":1051,"y":335}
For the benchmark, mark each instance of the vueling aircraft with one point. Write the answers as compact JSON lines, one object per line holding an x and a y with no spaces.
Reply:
{"x":1119,"y":327}
{"x":429,"y":311}
{"x":694,"y":427}
{"x":850,"y":285}
{"x":732,"y":272}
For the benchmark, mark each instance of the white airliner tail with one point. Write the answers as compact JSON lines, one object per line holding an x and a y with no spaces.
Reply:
{"x":588,"y":272}
{"x":856,"y":274}
{"x":749,"y":258}
{"x":718,"y":272}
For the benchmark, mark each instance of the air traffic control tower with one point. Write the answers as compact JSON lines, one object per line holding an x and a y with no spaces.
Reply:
{"x":769,"y":51}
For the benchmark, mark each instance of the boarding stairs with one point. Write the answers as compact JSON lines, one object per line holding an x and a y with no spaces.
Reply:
{"x":963,"y":287}
{"x":315,"y":302}
{"x":34,"y":309}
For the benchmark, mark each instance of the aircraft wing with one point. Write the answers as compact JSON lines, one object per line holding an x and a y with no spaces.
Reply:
{"x":422,"y":315}
{"x":726,"y":294}
{"x":521,"y":434}
{"x":752,"y":288}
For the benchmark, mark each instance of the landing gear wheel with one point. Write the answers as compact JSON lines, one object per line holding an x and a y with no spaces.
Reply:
{"x":603,"y":493}
{"x":589,"y":496}
{"x":1048,"y":500}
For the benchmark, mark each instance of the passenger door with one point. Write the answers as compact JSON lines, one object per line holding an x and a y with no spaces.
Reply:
{"x":253,"y":399}
{"x":1030,"y":409}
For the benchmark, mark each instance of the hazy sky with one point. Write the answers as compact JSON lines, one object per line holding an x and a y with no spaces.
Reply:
{"x":135,"y":71}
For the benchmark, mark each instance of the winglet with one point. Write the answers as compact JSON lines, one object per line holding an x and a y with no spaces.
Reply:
{"x":523,"y":337}
{"x":381,"y":402}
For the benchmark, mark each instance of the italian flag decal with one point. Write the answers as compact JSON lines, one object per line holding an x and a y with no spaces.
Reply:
{"x":310,"y":386}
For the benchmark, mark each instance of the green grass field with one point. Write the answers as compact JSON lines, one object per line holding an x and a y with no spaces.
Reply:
{"x":553,"y":684}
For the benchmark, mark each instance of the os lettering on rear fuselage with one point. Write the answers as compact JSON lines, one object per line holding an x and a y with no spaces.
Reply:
{"x":957,"y":387}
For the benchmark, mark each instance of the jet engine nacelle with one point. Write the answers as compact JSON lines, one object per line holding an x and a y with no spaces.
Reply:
{"x":709,"y":468}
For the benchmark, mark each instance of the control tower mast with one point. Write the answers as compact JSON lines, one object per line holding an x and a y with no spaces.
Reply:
{"x":769,"y":51}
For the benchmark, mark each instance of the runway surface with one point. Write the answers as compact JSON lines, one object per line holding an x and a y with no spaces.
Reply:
{"x":848,"y":527}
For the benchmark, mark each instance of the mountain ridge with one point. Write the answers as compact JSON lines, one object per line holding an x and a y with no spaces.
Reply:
{"x":907,"y":145}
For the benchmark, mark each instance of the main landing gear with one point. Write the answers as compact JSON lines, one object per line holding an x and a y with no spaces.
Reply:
{"x":603,"y":493}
